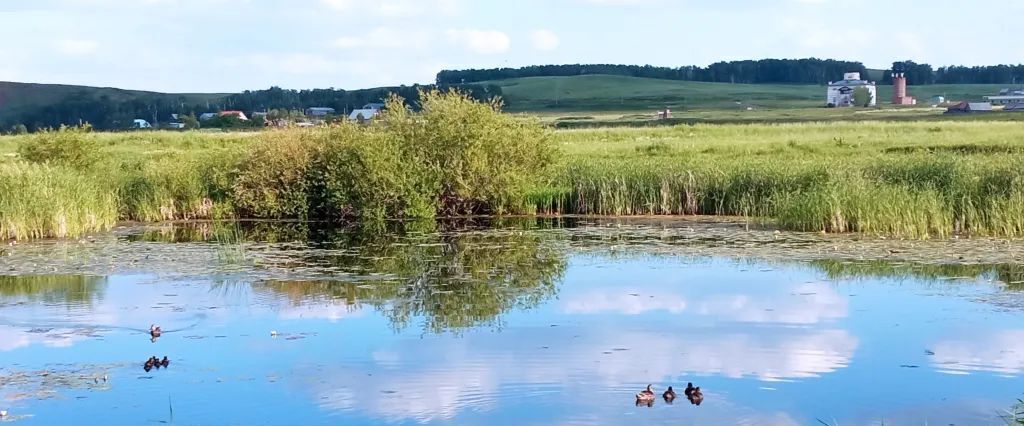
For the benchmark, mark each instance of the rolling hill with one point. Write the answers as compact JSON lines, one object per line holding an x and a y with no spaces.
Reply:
{"x":588,"y":94}
{"x":619,"y":93}
{"x":18,"y":98}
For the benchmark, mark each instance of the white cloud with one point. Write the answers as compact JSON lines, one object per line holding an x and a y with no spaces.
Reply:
{"x":484,"y":42}
{"x":545,"y":40}
{"x":621,"y":2}
{"x":339,"y":4}
{"x":385,"y":38}
{"x":72,"y":47}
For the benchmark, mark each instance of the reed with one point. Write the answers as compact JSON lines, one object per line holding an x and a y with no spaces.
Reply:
{"x":459,"y":157}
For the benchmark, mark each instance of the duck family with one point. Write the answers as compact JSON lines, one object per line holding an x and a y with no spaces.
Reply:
{"x":692,"y":393}
{"x":154,"y":362}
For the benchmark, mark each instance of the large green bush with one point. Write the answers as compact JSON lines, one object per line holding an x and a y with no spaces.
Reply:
{"x":67,"y":146}
{"x":456,"y":156}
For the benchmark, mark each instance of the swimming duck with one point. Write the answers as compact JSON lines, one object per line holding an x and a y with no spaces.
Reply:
{"x":148,"y":365}
{"x":165,"y":362}
{"x":645,"y":395}
{"x":154,"y":330}
{"x":697,"y":396}
{"x":689,"y":390}
{"x":669,"y":394}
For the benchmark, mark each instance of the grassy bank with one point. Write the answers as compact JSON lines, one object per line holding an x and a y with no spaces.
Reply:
{"x":904,"y":179}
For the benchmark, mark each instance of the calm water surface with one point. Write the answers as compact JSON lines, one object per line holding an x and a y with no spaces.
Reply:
{"x":513,"y":325}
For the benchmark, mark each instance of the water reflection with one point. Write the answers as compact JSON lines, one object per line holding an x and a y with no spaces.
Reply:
{"x":71,"y":290}
{"x":514,"y":323}
{"x":452,"y":281}
{"x":1001,"y":352}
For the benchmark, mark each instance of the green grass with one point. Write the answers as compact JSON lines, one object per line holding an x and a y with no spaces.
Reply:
{"x":589,"y":93}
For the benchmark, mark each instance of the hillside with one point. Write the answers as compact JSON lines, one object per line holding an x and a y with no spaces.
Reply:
{"x":618,"y":93}
{"x":17,"y":99}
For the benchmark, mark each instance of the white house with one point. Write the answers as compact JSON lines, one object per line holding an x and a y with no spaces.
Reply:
{"x":364,"y":114}
{"x":139,"y":123}
{"x":840,"y":93}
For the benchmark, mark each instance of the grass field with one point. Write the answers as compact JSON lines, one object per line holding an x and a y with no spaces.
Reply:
{"x":617,"y":93}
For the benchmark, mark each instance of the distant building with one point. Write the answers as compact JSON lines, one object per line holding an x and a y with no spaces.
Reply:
{"x":899,"y":86}
{"x":363,"y":114}
{"x":319,"y":111}
{"x":1005,"y":99}
{"x":207,"y":116}
{"x":969,"y":107}
{"x":176,"y":125}
{"x":239,"y":114}
{"x":1017,"y":107}
{"x":376,"y":106}
{"x":840,"y":93}
{"x":139,"y":123}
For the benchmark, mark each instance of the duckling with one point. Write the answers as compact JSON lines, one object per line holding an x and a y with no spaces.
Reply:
{"x":689,"y":390}
{"x":148,"y":365}
{"x":697,"y":396}
{"x":165,"y":362}
{"x":669,"y":394}
{"x":154,"y":330}
{"x":646,"y":395}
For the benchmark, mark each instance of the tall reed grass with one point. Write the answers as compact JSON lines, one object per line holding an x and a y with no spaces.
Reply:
{"x":459,"y":157}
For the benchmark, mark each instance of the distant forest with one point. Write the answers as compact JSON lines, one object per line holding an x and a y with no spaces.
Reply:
{"x":782,"y":71}
{"x":107,"y":113}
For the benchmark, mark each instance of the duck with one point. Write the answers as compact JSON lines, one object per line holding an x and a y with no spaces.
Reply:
{"x":165,"y":362}
{"x":689,"y":390}
{"x":646,"y":395}
{"x":669,"y":394}
{"x":697,"y":396}
{"x":154,"y":330}
{"x":148,"y":365}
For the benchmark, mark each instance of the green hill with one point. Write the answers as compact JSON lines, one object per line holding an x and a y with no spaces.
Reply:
{"x":19,"y":98}
{"x":618,"y":93}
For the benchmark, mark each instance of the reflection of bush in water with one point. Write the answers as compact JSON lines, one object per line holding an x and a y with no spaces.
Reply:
{"x":453,"y":281}
{"x":65,"y":289}
{"x":1012,"y":275}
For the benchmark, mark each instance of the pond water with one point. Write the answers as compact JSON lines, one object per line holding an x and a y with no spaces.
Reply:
{"x":522,"y":322}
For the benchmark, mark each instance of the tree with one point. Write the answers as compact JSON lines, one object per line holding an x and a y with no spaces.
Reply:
{"x":862,"y":97}
{"x":190,"y":121}
{"x":19,"y":129}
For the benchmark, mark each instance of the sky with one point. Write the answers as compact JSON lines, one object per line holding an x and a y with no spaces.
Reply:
{"x":234,"y":45}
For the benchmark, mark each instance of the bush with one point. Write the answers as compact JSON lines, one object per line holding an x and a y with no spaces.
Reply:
{"x":67,"y":146}
{"x":457,"y":156}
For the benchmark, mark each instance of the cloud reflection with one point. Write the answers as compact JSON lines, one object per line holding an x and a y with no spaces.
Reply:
{"x":1001,"y":352}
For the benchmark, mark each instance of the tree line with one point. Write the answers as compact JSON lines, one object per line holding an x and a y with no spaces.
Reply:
{"x":106,"y":113}
{"x":793,"y":71}
{"x":796,"y":71}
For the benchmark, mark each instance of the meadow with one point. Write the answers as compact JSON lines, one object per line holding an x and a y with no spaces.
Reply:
{"x":905,"y":179}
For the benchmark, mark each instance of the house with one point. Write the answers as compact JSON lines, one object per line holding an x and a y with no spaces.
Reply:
{"x":841,"y":93}
{"x":139,"y":123}
{"x":1016,"y":107}
{"x":376,"y":106}
{"x":969,"y":107}
{"x":239,"y":114}
{"x":176,"y":125}
{"x":319,"y":111}
{"x":363,"y":114}
{"x":206,"y":116}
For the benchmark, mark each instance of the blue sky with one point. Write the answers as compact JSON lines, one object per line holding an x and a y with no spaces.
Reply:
{"x":231,"y":45}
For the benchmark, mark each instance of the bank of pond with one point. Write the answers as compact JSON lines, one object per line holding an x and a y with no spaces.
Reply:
{"x":458,"y":157}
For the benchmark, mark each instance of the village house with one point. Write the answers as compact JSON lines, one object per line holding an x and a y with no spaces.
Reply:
{"x":841,"y":93}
